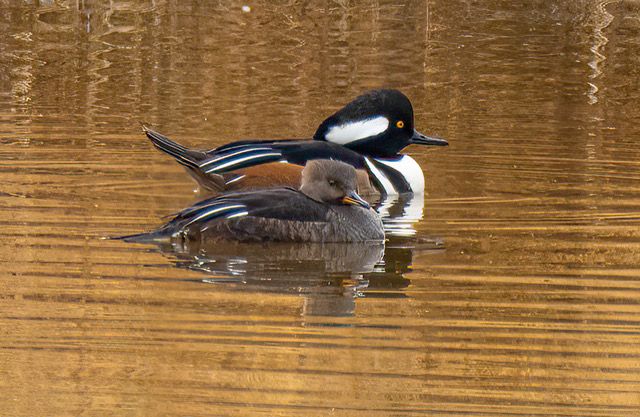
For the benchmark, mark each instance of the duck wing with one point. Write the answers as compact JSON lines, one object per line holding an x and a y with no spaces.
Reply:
{"x":240,"y":164}
{"x":246,"y":154}
{"x":280,"y":203}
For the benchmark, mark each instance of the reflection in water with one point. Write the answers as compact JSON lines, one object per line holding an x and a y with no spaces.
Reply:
{"x":400,"y":213}
{"x":602,"y":19}
{"x":532,"y":309}
{"x":329,"y":276}
{"x":250,"y":262}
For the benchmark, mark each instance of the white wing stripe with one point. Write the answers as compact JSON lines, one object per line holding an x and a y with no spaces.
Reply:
{"x":239,"y":214}
{"x":223,"y":157}
{"x":241,"y":160}
{"x":214,"y":211}
{"x":234,"y":180}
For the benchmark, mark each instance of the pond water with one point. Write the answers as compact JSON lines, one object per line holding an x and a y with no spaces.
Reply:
{"x":515,"y":289}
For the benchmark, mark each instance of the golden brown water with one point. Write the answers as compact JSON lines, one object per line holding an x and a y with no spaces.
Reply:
{"x":531,"y":309}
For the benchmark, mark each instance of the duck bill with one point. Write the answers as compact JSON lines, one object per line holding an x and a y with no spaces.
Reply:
{"x":420,"y":139}
{"x":355,"y":200}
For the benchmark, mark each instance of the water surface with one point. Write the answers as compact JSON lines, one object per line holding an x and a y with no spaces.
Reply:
{"x":517,"y":295}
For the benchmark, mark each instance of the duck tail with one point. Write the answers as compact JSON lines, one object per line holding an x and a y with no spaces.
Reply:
{"x":156,"y":236}
{"x":188,"y":158}
{"x":182,"y":155}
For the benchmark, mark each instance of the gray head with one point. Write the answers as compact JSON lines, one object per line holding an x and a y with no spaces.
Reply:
{"x":331,"y":182}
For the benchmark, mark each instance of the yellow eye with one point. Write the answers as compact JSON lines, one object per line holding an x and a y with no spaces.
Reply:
{"x":399,"y":124}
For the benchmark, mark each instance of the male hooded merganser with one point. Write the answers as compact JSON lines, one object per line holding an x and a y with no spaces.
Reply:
{"x":326,"y":208}
{"x":368,"y":133}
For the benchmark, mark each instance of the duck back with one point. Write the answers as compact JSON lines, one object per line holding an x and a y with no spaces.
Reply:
{"x":338,"y":224}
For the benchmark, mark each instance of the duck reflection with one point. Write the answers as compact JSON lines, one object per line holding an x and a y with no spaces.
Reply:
{"x":400,"y":213}
{"x":329,"y":276}
{"x":287,"y":263}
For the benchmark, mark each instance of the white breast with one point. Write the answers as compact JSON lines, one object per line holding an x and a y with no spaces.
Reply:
{"x":409,"y":169}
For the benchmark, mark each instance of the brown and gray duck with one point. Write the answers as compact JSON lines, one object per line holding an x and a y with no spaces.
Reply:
{"x":326,"y":208}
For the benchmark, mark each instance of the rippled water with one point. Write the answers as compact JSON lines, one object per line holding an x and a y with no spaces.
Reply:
{"x":518,"y":295}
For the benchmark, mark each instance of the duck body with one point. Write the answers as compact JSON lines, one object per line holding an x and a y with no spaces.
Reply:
{"x":247,"y":165}
{"x":279,"y":215}
{"x":325,"y":209}
{"x":367,"y":133}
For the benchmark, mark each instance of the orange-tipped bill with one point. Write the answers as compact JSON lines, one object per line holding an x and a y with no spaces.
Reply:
{"x":354,"y":199}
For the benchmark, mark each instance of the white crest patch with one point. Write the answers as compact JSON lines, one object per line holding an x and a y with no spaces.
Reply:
{"x":350,"y":132}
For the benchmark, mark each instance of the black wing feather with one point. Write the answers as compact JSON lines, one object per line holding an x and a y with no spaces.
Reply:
{"x":245,"y":154}
{"x":277,"y":203}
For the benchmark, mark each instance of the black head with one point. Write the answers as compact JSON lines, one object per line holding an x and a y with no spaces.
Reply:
{"x":377,"y":123}
{"x":332,"y":182}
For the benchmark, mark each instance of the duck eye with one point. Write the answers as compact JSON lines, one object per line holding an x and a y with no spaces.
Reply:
{"x":332,"y":183}
{"x":399,"y":124}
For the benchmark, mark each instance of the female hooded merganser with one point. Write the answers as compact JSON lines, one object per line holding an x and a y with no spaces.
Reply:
{"x":368,"y":133}
{"x":326,"y":208}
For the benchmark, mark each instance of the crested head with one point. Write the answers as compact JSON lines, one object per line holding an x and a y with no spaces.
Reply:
{"x":330,"y":181}
{"x":378,"y":123}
